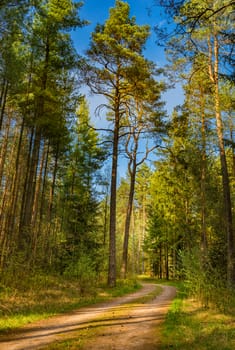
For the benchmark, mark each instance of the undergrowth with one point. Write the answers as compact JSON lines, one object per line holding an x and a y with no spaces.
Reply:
{"x":191,"y":326}
{"x":39,"y":296}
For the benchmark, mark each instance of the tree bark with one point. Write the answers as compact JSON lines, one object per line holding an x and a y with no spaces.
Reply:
{"x":3,"y":100}
{"x":29,"y":191}
{"x":203,"y":177}
{"x":52,"y":189}
{"x":128,"y":221}
{"x":113,"y":195}
{"x":4,"y":146}
{"x":214,"y":75}
{"x":232,"y":139}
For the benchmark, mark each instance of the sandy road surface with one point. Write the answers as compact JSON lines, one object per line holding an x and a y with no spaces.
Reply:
{"x":118,"y":327}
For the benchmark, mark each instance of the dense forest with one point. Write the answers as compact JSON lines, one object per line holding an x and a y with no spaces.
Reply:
{"x":63,"y":209}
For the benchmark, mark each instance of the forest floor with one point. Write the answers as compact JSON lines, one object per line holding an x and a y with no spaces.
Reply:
{"x":128,"y":322}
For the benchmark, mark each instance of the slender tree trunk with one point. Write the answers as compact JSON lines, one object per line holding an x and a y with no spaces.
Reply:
{"x":3,"y":100}
{"x":52,"y":189}
{"x":143,"y":234}
{"x":232,"y":139}
{"x":112,"y":224}
{"x":138,"y":254}
{"x":5,"y":174}
{"x":203,"y":177}
{"x":32,"y":181}
{"x":3,"y":236}
{"x":42,"y":233}
{"x":214,"y":75}
{"x":4,"y":146}
{"x":134,"y":135}
{"x":105,"y":219}
{"x":160,"y":260}
{"x":15,"y":187}
{"x":8,"y":214}
{"x":11,"y":214}
{"x":128,"y":221}
{"x":113,"y":195}
{"x":29,"y":188}
{"x":51,"y":233}
{"x":25,"y":192}
{"x":166,"y":261}
{"x":35,"y":209}
{"x":38,"y":188}
{"x":42,"y":200}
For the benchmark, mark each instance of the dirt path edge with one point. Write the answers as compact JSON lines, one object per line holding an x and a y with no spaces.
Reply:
{"x":40,"y":334}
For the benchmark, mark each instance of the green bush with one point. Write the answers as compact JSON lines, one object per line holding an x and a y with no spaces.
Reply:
{"x":83,"y":270}
{"x":205,"y":282}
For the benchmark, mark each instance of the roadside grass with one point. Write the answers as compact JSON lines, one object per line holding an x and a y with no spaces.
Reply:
{"x":189,"y":326}
{"x":43,"y":296}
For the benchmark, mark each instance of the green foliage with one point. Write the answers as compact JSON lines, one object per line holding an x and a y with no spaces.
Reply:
{"x":83,"y":270}
{"x":30,"y":296}
{"x":125,"y":286}
{"x":81,"y":232}
{"x":36,"y":62}
{"x":202,"y":36}
{"x":205,"y":281}
{"x":115,"y":51}
{"x":188,"y":326}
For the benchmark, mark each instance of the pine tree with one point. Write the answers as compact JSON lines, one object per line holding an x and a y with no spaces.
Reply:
{"x":116,"y":47}
{"x":205,"y":27}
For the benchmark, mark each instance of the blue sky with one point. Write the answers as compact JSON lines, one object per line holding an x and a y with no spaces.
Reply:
{"x":97,"y":11}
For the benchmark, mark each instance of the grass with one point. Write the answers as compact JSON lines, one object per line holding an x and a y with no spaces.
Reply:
{"x":80,"y":339}
{"x":189,"y":326}
{"x":43,"y":296}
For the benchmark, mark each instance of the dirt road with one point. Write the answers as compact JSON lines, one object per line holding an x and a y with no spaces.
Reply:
{"x":118,"y":325}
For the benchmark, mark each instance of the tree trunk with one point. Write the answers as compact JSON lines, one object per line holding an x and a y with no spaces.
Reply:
{"x":113,"y":195}
{"x":5,"y":184}
{"x":232,"y":139}
{"x":4,"y":146}
{"x":3,"y":100}
{"x":9,"y":222}
{"x":35,"y":209}
{"x":160,"y":260}
{"x":105,"y":220}
{"x":52,"y":189}
{"x":42,"y":200}
{"x":11,"y":213}
{"x":128,"y":221}
{"x":143,"y":234}
{"x":29,"y":193}
{"x":166,"y":261}
{"x":203,"y":178}
{"x":214,"y":75}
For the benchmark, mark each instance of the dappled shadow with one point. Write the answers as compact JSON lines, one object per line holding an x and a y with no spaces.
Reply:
{"x":102,"y":316}
{"x":54,"y":330}
{"x":36,"y":332}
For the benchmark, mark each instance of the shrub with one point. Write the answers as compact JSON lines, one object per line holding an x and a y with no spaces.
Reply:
{"x":83,"y":270}
{"x":205,"y":282}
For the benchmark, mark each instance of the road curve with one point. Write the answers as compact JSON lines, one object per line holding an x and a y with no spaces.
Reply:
{"x":136,"y":324}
